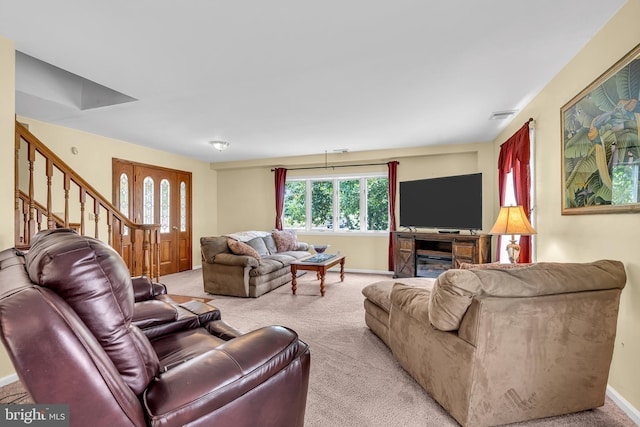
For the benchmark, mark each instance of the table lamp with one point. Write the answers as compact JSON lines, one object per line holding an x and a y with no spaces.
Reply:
{"x":512,"y":220}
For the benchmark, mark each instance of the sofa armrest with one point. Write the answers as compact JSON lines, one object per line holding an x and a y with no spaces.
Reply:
{"x":144,"y":289}
{"x":411,"y":300}
{"x":302,"y":246}
{"x":210,"y":381}
{"x":232,"y":259}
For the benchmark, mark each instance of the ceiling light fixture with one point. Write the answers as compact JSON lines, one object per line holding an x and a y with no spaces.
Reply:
{"x":220,"y":145}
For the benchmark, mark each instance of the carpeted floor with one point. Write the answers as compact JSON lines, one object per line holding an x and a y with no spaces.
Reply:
{"x":354,"y":379}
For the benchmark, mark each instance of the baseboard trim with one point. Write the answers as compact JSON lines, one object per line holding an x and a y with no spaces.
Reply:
{"x":362,"y":271}
{"x":623,"y":404}
{"x":8,"y":380}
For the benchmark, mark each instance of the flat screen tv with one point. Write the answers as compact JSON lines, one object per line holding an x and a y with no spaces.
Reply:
{"x":449,"y":203}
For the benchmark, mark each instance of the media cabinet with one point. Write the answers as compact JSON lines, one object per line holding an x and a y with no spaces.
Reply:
{"x":429,"y":254}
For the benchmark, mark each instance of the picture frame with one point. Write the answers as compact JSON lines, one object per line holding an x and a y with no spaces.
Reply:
{"x":601,"y":143}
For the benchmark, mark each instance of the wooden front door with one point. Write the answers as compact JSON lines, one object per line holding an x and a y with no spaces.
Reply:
{"x":154,"y":195}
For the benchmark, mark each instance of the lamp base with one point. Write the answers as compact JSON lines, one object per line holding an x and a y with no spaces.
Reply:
{"x":513,"y":251}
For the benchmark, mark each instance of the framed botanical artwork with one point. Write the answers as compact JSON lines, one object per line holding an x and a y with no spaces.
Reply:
{"x":601,"y":143}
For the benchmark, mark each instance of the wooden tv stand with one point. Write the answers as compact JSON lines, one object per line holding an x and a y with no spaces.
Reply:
{"x":429,"y":254}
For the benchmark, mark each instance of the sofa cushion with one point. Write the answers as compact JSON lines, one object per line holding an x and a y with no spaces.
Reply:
{"x":286,"y":240}
{"x":212,"y":246}
{"x":259,"y":245}
{"x":239,"y":248}
{"x":451,"y":296}
{"x":284,"y":258}
{"x":454,"y":289}
{"x":270,"y":244}
{"x":266,"y":266}
{"x":295,"y":254}
{"x":379,"y":292}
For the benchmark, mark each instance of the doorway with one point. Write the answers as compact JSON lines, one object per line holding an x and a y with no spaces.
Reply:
{"x":149,"y":194}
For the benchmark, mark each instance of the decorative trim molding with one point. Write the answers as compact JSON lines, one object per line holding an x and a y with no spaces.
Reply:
{"x":623,"y":404}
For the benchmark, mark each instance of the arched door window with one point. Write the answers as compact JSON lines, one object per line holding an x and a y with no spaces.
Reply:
{"x":148,"y":201}
{"x":124,"y":198}
{"x":183,"y":206}
{"x":165,"y":217}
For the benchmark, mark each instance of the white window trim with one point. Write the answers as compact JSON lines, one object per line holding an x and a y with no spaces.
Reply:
{"x":335,"y":178}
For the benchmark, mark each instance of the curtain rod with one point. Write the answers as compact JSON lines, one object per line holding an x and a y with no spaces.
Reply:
{"x":333,"y":167}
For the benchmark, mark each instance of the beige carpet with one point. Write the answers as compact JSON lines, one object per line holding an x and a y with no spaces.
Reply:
{"x":354,"y":380}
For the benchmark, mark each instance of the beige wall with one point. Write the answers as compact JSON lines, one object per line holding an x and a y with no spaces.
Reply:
{"x":7,"y":153}
{"x":246,"y":191}
{"x":588,"y":237}
{"x":93,"y":163}
{"x":241,"y":196}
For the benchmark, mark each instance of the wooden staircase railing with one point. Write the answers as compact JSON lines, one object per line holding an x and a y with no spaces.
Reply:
{"x":56,"y":180}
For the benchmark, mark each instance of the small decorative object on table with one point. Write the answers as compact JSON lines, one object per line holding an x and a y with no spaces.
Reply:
{"x":320,"y":248}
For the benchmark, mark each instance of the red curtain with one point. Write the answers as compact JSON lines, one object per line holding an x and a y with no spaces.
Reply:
{"x":280,"y":180}
{"x":393,"y":184}
{"x":514,"y":156}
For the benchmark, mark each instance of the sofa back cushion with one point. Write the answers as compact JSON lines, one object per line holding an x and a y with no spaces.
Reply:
{"x":454,"y":289}
{"x":212,"y":246}
{"x":259,"y":245}
{"x":240,"y":248}
{"x":270,"y":244}
{"x":94,"y":280}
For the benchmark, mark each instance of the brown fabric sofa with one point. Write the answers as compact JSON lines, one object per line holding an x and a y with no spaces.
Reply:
{"x":66,"y":311}
{"x":227,"y":273}
{"x":496,"y":346}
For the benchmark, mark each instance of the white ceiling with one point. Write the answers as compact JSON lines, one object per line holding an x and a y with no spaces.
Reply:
{"x":292,"y":77}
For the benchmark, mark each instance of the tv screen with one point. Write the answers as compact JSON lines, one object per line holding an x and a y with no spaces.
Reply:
{"x":448,"y":203}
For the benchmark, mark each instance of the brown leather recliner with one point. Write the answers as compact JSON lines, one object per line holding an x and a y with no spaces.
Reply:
{"x":65,"y":320}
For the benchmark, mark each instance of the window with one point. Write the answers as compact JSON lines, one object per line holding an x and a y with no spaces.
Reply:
{"x":183,"y":206}
{"x":165,"y":189}
{"x":147,"y":197}
{"x":124,"y":198}
{"x":510,"y":200}
{"x":341,"y":204}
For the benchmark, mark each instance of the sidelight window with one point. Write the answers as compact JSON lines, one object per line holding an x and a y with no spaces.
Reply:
{"x":148,"y":201}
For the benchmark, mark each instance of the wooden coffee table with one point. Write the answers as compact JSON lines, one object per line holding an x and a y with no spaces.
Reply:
{"x":319,"y":267}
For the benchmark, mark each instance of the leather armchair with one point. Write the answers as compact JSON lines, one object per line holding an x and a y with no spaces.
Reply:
{"x":66,"y":310}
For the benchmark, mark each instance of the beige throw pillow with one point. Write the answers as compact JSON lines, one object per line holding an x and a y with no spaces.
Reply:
{"x":286,"y":240}
{"x":240,"y":248}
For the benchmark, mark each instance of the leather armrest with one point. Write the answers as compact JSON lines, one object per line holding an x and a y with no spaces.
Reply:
{"x":232,"y":259}
{"x":144,"y":289}
{"x":210,"y":381}
{"x":153,"y":312}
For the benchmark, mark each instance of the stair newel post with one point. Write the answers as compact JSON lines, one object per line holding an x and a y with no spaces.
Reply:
{"x":16,"y":181}
{"x":134,"y":247}
{"x":25,"y":222}
{"x":157,"y":254}
{"x":146,"y":255}
{"x":83,"y":200}
{"x":67,"y":185}
{"x":96,"y":217}
{"x":109,"y":230}
{"x":32,"y":206}
{"x":50,"y":222}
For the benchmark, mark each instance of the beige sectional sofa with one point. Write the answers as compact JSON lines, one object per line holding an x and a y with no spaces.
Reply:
{"x":496,"y":346}
{"x":250,"y":263}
